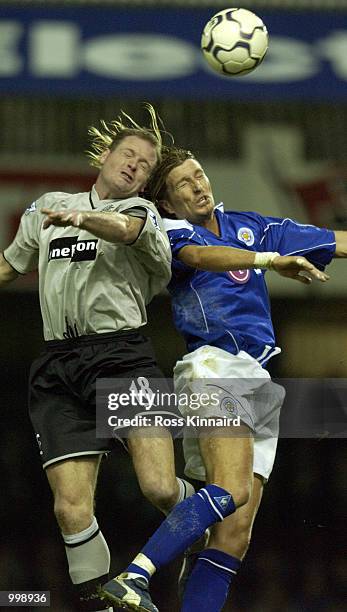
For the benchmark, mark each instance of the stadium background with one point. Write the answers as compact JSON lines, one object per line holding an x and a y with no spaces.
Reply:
{"x":276,"y":147}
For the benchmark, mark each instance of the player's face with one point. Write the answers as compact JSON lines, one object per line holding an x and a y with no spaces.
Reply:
{"x":126,"y":169}
{"x":189,"y":193}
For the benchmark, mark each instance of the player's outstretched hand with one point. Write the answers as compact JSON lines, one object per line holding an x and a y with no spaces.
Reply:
{"x":298,"y":268}
{"x":62,"y":218}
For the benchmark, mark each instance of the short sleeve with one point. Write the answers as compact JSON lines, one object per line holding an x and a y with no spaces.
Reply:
{"x":183,"y":237}
{"x":152,"y":250}
{"x":140,"y":213}
{"x":179,"y":238}
{"x":288,"y":237}
{"x":23,"y":252}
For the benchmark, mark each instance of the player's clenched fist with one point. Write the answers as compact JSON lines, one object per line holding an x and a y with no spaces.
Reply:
{"x":63,"y":218}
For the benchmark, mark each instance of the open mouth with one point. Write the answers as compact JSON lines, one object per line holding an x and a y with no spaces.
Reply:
{"x":127,"y":176}
{"x":203,"y":200}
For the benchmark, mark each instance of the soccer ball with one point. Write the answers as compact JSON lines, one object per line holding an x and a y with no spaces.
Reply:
{"x":234,"y":42}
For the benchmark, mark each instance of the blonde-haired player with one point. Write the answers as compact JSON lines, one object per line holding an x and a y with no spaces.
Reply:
{"x":101,"y":257}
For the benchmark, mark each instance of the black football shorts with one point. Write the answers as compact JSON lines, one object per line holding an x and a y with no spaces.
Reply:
{"x":62,"y":391}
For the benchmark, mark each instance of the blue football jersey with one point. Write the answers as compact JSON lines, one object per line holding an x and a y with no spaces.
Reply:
{"x":231,"y":310}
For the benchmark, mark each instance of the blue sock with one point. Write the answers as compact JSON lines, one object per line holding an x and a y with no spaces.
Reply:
{"x":209,"y":583}
{"x":185,"y":524}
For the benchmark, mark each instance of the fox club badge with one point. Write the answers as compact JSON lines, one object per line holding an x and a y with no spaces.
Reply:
{"x":246,"y":235}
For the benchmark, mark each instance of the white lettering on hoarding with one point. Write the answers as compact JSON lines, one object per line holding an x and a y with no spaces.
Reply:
{"x":286,"y":60}
{"x":334,"y":48}
{"x":10,"y":35}
{"x":56,"y":49}
{"x":140,"y":57}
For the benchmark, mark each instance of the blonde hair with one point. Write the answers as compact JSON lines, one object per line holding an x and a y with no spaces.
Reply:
{"x":112,"y":133}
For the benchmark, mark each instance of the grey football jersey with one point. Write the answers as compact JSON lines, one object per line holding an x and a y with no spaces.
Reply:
{"x":88,"y":285}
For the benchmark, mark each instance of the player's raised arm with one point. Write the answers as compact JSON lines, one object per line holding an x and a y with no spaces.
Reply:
{"x":7,"y":273}
{"x":216,"y":258}
{"x":110,"y":226}
{"x":223,"y":259}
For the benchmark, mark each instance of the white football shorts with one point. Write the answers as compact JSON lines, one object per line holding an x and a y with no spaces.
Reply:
{"x":248,"y":392}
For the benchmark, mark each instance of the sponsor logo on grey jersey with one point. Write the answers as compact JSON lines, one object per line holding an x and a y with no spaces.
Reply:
{"x":72,"y":248}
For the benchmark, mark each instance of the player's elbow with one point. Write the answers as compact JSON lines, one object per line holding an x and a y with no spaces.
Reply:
{"x":7,"y":273}
{"x":192,"y":257}
{"x":122,"y":232}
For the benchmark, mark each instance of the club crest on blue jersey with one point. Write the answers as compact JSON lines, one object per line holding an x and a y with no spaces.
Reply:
{"x":240,"y":276}
{"x":246,"y":235}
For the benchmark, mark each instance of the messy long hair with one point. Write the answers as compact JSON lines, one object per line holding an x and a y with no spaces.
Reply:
{"x":156,"y":188}
{"x":112,"y":133}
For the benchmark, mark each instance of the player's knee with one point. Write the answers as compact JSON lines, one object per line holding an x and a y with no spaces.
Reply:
{"x":73,"y":513}
{"x":162,"y":495}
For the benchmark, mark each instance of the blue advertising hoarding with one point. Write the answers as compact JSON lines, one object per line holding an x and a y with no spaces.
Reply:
{"x":156,"y":52}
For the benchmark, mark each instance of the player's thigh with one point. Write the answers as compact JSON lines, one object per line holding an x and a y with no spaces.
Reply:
{"x":233,"y":534}
{"x":74,"y":480}
{"x":228,"y":459}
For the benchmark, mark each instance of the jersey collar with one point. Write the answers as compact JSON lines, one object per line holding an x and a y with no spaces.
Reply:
{"x":95,"y":201}
{"x":219,"y":206}
{"x":172,"y":224}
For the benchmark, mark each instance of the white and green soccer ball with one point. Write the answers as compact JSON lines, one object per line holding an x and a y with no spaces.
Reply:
{"x":234,"y":41}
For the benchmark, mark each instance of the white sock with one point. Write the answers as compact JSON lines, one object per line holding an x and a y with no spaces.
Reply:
{"x":87,"y":554}
{"x":185,"y":490}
